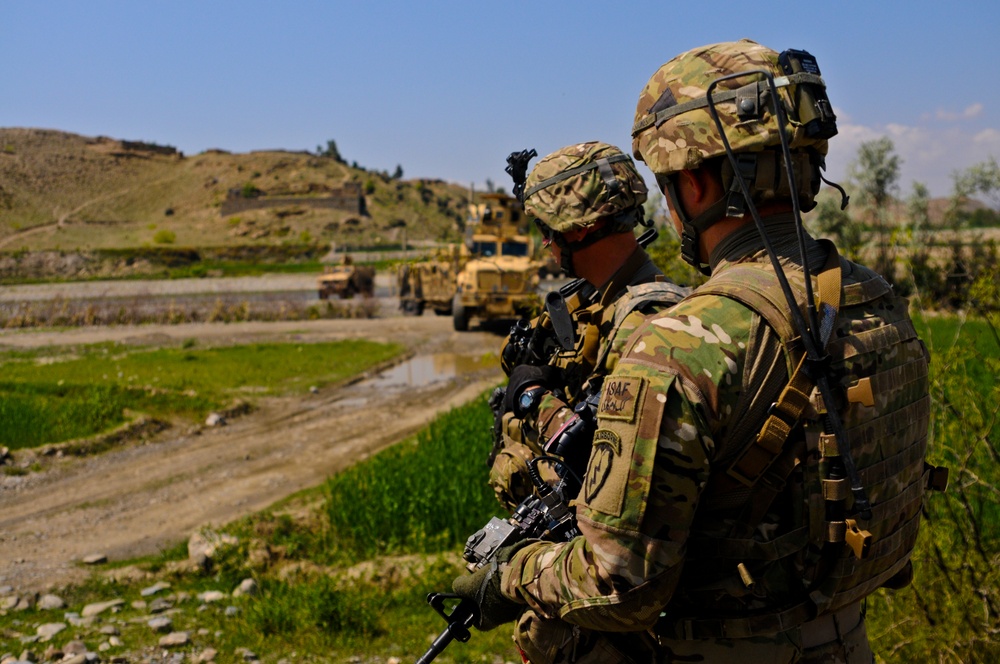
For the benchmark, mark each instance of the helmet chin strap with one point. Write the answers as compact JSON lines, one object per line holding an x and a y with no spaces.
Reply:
{"x":692,"y":228}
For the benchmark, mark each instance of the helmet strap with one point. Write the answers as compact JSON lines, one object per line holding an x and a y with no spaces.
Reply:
{"x":691,"y":229}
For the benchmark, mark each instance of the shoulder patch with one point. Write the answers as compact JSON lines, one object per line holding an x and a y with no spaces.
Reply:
{"x":609,"y":438}
{"x":619,"y":398}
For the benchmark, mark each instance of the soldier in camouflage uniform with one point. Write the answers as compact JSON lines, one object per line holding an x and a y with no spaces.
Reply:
{"x":717,"y":522}
{"x":587,"y":199}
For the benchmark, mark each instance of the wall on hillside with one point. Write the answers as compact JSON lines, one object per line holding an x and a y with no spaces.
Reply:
{"x":348,"y":198}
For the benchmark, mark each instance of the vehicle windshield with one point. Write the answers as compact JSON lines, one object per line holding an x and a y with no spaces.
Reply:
{"x":484,"y":248}
{"x":515,"y":249}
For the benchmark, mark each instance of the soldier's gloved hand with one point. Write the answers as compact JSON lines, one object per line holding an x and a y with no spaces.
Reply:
{"x":524,"y":376}
{"x":483,"y":588}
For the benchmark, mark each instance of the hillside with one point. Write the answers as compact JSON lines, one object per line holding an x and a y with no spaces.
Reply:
{"x":68,"y":192}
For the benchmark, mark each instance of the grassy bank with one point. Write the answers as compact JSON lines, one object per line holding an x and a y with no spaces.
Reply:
{"x":343,"y":569}
{"x":52,"y":395}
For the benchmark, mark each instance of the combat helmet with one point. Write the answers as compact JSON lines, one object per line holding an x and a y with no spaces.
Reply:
{"x":580,"y":185}
{"x":674,"y":129}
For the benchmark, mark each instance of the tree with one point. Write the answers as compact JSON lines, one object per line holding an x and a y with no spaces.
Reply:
{"x":982,"y":179}
{"x":330,"y":151}
{"x":832,"y":221}
{"x":875,"y":176}
{"x":398,"y":173}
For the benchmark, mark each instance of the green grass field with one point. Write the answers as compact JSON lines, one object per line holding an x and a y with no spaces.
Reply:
{"x":56,"y":395}
{"x":379,"y":536}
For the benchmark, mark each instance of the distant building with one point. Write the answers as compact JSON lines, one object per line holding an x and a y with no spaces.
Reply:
{"x":347,"y":198}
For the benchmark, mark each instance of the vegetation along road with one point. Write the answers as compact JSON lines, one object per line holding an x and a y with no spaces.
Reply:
{"x":141,"y":497}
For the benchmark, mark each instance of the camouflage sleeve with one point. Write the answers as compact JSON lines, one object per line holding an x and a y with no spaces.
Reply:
{"x":650,"y":461}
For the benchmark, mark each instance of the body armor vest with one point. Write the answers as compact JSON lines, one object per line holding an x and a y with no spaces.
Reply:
{"x":746,"y":579}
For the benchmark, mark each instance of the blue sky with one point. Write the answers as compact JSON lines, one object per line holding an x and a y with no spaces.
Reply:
{"x":448,"y":89}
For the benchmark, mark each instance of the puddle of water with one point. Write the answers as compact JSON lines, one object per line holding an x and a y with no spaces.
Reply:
{"x":423,"y":370}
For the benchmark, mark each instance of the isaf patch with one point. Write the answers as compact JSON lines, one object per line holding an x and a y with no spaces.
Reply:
{"x":619,"y":398}
{"x":607,"y":445}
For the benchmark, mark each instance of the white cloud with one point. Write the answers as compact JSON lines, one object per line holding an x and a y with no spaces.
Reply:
{"x":927,"y":154}
{"x":970,"y":112}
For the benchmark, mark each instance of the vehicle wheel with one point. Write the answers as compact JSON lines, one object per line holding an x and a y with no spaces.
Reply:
{"x":458,"y":316}
{"x":412,"y":307}
{"x":443,"y":311}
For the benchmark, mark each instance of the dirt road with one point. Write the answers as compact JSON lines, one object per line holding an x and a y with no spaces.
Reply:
{"x":137,"y":499}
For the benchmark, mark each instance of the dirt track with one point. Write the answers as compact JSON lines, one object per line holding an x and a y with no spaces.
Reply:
{"x":137,"y":499}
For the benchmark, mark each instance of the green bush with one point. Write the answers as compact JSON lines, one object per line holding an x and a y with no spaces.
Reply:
{"x":951,"y":612}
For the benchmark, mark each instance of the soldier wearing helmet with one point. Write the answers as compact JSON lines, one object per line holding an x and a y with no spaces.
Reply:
{"x":758,"y":464}
{"x":586,"y":199}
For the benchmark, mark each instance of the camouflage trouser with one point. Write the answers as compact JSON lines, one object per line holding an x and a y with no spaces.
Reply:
{"x":543,"y":641}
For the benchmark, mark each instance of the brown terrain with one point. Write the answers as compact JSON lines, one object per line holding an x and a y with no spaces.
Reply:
{"x":142,"y":497}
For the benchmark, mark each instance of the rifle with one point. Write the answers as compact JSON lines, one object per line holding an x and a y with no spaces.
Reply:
{"x":554,"y":328}
{"x":545,"y":516}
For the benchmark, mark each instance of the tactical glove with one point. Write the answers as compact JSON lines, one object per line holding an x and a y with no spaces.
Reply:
{"x":524,"y":376}
{"x":483,"y":588}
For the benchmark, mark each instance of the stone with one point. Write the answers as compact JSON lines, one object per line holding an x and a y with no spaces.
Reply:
{"x":28,"y":656}
{"x":75,"y":659}
{"x":8,"y":603}
{"x":109,"y":630}
{"x":53,"y":653}
{"x":115,"y":642}
{"x":247,"y":654}
{"x":210,"y":596}
{"x":203,"y":545}
{"x":159,"y":605}
{"x":153,"y":589}
{"x":246,"y":587}
{"x":174,"y":639}
{"x":48,"y":630}
{"x":95,"y":559}
{"x":231,"y":611}
{"x":139,"y":604}
{"x":104,"y":647}
{"x":75,"y":648}
{"x":160,"y":624}
{"x":206,"y":655}
{"x":98,"y":608}
{"x":215,"y":420}
{"x":47,"y":602}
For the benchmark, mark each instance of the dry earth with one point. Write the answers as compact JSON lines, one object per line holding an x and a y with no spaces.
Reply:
{"x":139,"y":498}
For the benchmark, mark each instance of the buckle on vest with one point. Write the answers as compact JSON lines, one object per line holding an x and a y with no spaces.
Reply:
{"x":859,"y":540}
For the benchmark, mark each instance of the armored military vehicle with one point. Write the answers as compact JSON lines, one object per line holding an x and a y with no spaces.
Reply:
{"x":346,"y":280}
{"x":493,"y":275}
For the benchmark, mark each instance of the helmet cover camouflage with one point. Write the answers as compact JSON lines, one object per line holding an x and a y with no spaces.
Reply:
{"x":684,"y":140}
{"x":575,"y":186}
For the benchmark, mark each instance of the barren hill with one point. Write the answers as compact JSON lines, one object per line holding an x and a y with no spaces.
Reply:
{"x":69,"y":192}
